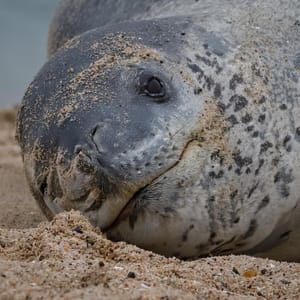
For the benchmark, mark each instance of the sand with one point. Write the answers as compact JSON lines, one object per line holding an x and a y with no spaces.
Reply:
{"x":69,"y":259}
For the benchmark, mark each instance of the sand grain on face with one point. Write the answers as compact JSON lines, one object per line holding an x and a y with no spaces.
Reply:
{"x":68,"y":258}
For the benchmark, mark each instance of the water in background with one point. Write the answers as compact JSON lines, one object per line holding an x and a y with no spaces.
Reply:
{"x":23,"y":45}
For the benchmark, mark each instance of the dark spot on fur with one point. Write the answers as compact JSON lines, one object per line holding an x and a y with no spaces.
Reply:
{"x":246,"y":118}
{"x":283,"y":107}
{"x":265,"y":146}
{"x":214,"y":175}
{"x":251,"y":229}
{"x":248,"y":171}
{"x":284,"y":177}
{"x":262,"y":100}
{"x":169,"y":209}
{"x":239,"y":102}
{"x":236,"y":220}
{"x":217,"y":90}
{"x":255,"y":134}
{"x":211,"y":199}
{"x":275,"y":161}
{"x":286,"y":140}
{"x":185,"y":234}
{"x":221,"y":106}
{"x":252,"y":190}
{"x":233,"y":194}
{"x":232,"y":119}
{"x":235,"y":80}
{"x":197,"y":90}
{"x":218,"y":69}
{"x":212,"y":235}
{"x":289,"y":148}
{"x":256,"y":70}
{"x":216,"y":157}
{"x":204,"y":60}
{"x":277,"y":177}
{"x":238,"y":171}
{"x":260,"y":164}
{"x":250,"y":128}
{"x":209,"y":82}
{"x":194,"y":68}
{"x":264,"y":202}
{"x":241,"y":161}
{"x":200,"y":76}
{"x":261,"y":118}
{"x":284,"y":190}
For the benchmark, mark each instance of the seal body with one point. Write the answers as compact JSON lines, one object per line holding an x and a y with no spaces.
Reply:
{"x":172,"y":125}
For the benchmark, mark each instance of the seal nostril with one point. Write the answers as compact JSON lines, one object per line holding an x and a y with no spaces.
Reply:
{"x":93,"y":132}
{"x":77,"y":149}
{"x":43,"y":187}
{"x":96,"y":128}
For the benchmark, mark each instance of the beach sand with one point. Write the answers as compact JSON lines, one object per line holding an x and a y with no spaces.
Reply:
{"x":69,"y":259}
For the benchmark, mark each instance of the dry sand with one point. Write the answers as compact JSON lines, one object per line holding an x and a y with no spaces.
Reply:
{"x":69,"y":259}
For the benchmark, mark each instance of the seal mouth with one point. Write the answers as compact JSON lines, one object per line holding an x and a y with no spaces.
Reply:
{"x":125,"y":211}
{"x":83,"y":193}
{"x":116,"y":207}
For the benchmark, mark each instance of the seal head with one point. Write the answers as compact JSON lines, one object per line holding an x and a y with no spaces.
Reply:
{"x":117,"y":117}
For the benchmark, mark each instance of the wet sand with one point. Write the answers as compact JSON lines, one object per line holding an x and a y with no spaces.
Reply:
{"x":69,"y":259}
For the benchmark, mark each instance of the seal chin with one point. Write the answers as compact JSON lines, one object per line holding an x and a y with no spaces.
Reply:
{"x":109,"y":211}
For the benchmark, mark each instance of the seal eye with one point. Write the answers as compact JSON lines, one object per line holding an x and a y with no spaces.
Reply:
{"x":152,"y":86}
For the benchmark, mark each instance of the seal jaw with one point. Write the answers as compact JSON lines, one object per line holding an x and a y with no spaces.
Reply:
{"x":84,"y":183}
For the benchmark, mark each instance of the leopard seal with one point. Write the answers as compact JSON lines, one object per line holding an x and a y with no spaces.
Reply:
{"x":172,"y":125}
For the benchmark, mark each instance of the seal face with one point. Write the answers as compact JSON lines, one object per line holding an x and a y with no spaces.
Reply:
{"x":178,"y":134}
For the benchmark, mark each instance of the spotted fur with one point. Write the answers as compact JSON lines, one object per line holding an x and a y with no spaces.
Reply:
{"x":208,"y":166}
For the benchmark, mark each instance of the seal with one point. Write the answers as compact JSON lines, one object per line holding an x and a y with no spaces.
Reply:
{"x":172,"y":125}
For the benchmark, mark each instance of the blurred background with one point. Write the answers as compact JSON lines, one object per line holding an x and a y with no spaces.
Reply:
{"x":23,"y":45}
